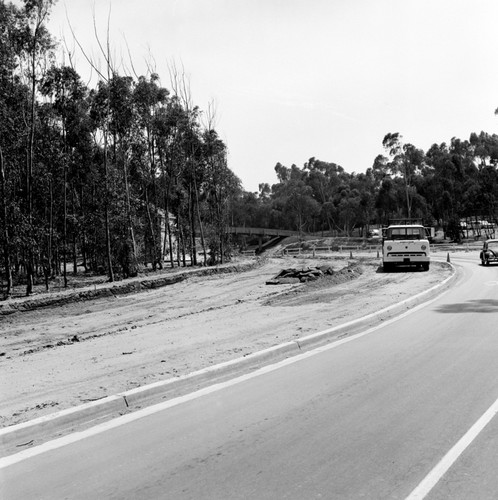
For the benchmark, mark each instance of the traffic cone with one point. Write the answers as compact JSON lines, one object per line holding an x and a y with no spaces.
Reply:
{"x":448,"y":257}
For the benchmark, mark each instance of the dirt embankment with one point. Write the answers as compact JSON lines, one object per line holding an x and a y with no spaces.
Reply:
{"x":52,"y":358}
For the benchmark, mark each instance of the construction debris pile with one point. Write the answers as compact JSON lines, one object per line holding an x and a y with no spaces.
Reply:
{"x":290,"y":276}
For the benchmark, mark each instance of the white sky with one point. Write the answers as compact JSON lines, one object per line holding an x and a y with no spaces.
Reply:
{"x":292,"y":79}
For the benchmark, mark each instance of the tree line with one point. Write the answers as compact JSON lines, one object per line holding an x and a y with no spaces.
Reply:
{"x":129,"y":173}
{"x":441,"y":186}
{"x":108,"y":178}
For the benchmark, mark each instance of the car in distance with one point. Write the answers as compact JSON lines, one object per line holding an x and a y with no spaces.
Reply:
{"x":489,"y":252}
{"x":374,"y":234}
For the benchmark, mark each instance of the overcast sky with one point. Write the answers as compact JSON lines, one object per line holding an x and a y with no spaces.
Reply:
{"x":293,"y":79}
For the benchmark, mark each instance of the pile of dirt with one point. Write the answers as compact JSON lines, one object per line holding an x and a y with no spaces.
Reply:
{"x":290,"y":276}
{"x":344,"y":275}
{"x":309,"y":290}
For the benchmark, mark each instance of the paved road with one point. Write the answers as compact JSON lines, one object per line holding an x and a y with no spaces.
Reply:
{"x":369,"y":418}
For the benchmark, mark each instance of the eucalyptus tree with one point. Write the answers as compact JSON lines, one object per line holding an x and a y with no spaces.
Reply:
{"x":14,"y":96}
{"x":124,"y":130}
{"x":193,"y":177}
{"x":264,"y":211}
{"x":68,"y":103}
{"x":5,"y":228}
{"x":293,"y":198}
{"x":485,"y":148}
{"x":192,"y":169}
{"x":99,"y":100}
{"x":458,"y":175}
{"x":386,"y":203}
{"x":489,"y":191}
{"x":348,"y":203}
{"x":245,"y":209}
{"x":325,"y":178}
{"x":149,"y":99}
{"x":443,"y":192}
{"x":166,"y":131}
{"x":365,"y":185}
{"x":406,"y":160}
{"x":220,"y":186}
{"x":36,"y":47}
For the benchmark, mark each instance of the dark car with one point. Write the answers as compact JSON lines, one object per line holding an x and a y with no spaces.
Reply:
{"x":489,"y":252}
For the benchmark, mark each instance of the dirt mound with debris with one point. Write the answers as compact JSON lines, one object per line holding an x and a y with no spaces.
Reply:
{"x":318,"y":289}
{"x":291,"y":275}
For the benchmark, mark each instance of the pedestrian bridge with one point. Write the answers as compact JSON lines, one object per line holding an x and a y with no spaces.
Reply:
{"x":262,"y":231}
{"x":275,"y":235}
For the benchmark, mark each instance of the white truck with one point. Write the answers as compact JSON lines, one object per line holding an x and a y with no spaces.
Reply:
{"x":405,"y":244}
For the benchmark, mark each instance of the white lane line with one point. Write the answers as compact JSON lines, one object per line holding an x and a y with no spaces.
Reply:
{"x":150,"y":410}
{"x":423,"y":489}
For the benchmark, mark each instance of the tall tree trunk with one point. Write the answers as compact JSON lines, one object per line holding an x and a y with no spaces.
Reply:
{"x":170,"y":243}
{"x":50,"y":255}
{"x":181,"y":242}
{"x":29,"y":174}
{"x":64,"y":230}
{"x":168,"y":228}
{"x":220,"y":223}
{"x":83,"y":232}
{"x":73,"y":233}
{"x":106,"y":214}
{"x":191,"y":213}
{"x":200,"y":222}
{"x":151,"y":229}
{"x":154,"y":217}
{"x":167,"y":196}
{"x":128,"y":211}
{"x":5,"y":228}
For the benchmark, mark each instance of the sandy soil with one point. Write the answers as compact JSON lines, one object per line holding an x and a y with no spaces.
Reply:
{"x":58,"y":357}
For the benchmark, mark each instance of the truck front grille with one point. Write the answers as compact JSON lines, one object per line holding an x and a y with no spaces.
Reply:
{"x":407,"y":254}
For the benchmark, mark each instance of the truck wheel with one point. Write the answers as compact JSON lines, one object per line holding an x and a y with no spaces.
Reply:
{"x":387,"y":267}
{"x":425,"y":266}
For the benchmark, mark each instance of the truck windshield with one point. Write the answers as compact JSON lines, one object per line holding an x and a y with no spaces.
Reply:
{"x":404,"y":233}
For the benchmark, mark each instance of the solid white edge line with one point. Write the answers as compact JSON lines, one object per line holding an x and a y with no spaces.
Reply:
{"x":150,"y":410}
{"x":428,"y":483}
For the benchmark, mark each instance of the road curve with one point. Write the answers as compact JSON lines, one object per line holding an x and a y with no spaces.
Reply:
{"x":369,"y":418}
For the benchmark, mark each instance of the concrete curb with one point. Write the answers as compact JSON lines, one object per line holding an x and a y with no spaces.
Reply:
{"x":123,"y":402}
{"x":325,"y":336}
{"x":210,"y":374}
{"x":27,"y":432}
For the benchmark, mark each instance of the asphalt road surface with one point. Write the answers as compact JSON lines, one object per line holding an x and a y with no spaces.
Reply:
{"x":406,"y":410}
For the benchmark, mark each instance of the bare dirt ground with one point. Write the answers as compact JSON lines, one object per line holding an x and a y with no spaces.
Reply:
{"x":53,"y":358}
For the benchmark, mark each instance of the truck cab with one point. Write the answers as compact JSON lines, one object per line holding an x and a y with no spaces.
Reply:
{"x":405,"y":245}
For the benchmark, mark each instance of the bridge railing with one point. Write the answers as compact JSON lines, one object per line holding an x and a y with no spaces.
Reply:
{"x":331,"y":249}
{"x":259,"y":231}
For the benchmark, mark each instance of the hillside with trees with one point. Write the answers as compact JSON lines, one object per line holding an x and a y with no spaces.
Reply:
{"x":447,"y":183}
{"x":126,"y":174}
{"x":103,"y":178}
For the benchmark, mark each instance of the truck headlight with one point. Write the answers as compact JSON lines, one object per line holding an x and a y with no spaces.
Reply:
{"x":389,"y":247}
{"x":423,"y":247}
